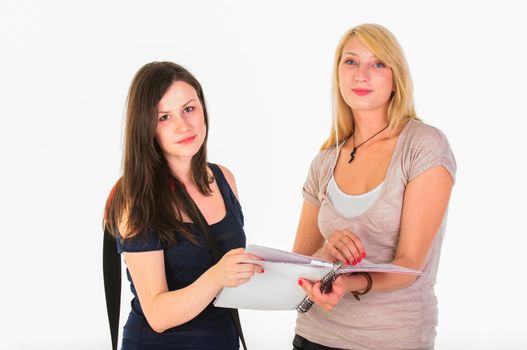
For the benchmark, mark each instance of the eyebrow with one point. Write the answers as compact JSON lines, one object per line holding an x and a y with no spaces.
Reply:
{"x":357,"y":55}
{"x":192,"y":99}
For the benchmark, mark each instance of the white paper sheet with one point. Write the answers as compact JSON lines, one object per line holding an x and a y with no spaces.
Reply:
{"x":277,"y":288}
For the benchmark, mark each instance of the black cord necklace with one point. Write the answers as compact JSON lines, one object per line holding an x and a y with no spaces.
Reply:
{"x":352,"y":154}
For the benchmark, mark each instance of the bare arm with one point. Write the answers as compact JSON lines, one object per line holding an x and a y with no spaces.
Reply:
{"x":165,"y":309}
{"x":308,"y":238}
{"x":425,"y":201}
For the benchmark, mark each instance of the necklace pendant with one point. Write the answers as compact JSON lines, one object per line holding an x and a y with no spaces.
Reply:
{"x":352,"y":154}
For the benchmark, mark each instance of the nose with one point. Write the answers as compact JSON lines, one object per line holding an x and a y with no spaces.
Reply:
{"x":362,"y":74}
{"x":181,"y":125}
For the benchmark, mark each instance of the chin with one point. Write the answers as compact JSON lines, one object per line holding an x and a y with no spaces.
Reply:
{"x":188,"y":154}
{"x":361,"y":107}
{"x":365,"y":106}
{"x":181,"y":154}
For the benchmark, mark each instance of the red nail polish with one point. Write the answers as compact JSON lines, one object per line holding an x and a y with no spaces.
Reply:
{"x":348,"y":262}
{"x":300,"y":282}
{"x":363,"y":254}
{"x":358,"y":259}
{"x":263,"y":270}
{"x":354,"y":262}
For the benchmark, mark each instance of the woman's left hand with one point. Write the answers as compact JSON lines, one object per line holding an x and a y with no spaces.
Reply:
{"x":326,"y":301}
{"x":344,"y":246}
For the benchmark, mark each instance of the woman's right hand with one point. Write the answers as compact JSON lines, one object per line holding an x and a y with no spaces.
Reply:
{"x":343,"y":246}
{"x":233,"y":269}
{"x":325,"y":301}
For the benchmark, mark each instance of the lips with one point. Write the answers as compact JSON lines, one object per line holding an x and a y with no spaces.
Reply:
{"x":186,"y":140}
{"x":361,"y":92}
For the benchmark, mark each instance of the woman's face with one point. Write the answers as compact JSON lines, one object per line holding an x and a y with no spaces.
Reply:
{"x":180,"y":128}
{"x":365,"y":82}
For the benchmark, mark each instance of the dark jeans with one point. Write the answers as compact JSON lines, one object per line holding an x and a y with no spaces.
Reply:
{"x":301,"y":343}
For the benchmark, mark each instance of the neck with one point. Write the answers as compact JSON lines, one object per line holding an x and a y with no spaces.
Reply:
{"x":182,"y":169}
{"x":368,"y":123}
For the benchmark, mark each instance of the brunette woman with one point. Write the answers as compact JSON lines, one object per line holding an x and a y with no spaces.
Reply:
{"x":154,"y":213}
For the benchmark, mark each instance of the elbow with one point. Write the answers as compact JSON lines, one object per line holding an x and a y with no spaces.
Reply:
{"x":157,"y":326}
{"x":155,"y":317}
{"x":410,"y":280}
{"x":156,"y":322}
{"x":407,"y":280}
{"x":161,"y":323}
{"x":160,"y":318}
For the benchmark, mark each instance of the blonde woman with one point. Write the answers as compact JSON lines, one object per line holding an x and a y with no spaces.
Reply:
{"x":378,"y":189}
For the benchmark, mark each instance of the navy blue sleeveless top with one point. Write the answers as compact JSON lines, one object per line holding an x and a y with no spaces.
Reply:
{"x":185,"y":262}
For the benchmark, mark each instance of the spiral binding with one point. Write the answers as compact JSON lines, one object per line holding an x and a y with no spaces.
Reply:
{"x":325,"y":287}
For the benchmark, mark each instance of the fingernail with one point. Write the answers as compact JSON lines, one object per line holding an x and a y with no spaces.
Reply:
{"x":300,"y":282}
{"x":263,"y":270}
{"x":363,"y":254}
{"x":358,"y":259}
{"x":348,"y":262}
{"x":354,"y":262}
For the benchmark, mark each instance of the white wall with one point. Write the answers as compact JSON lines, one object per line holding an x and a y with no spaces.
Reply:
{"x":265,"y":67}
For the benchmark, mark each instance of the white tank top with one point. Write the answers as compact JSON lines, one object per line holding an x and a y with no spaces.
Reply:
{"x":349,"y":205}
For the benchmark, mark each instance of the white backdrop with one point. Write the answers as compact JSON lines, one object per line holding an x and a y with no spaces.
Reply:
{"x":265,"y":68}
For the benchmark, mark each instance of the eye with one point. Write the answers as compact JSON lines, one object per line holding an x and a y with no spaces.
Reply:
{"x":379,"y":65}
{"x":164,"y":117}
{"x":188,"y":109}
{"x":350,"y":61}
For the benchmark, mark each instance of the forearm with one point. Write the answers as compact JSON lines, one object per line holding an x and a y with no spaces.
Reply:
{"x":383,"y":282}
{"x":316,"y":251}
{"x":170,"y":309}
{"x":309,"y":248}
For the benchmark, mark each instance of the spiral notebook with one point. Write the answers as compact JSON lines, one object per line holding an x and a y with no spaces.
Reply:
{"x":277,"y":288}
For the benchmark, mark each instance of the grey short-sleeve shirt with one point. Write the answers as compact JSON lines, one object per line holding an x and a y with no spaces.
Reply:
{"x":399,"y":319}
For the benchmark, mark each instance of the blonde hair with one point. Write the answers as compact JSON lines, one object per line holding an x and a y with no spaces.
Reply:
{"x":383,"y":44}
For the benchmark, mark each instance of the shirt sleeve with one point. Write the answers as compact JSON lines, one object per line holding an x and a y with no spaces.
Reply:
{"x":311,"y":189}
{"x":430,"y":148}
{"x":145,"y":242}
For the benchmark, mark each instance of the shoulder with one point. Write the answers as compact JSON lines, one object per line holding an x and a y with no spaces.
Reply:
{"x":323,"y":159}
{"x":122,"y":224}
{"x":321,"y":165}
{"x":420,"y":134}
{"x":318,"y":173}
{"x":229,"y":176}
{"x":426,"y":146}
{"x":116,"y":211}
{"x":133,"y":241}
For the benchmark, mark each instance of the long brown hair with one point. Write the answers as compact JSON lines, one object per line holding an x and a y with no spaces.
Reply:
{"x":148,"y":197}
